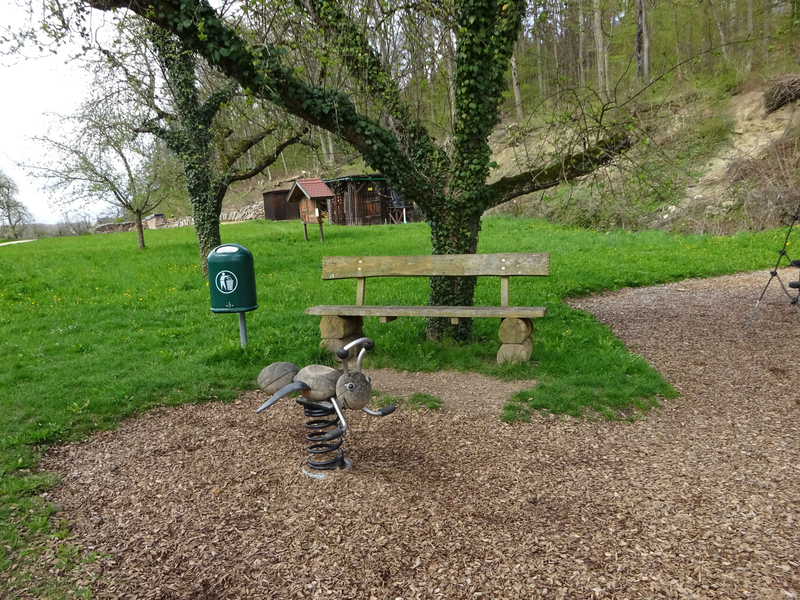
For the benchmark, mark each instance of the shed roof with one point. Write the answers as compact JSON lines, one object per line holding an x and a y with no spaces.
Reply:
{"x":314,"y":189}
{"x":366,"y":177}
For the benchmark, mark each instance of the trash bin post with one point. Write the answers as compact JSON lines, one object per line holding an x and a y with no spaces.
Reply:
{"x":242,"y":329}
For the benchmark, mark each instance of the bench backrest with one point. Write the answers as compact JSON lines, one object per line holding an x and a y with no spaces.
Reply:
{"x":505,"y":265}
{"x":448,"y":265}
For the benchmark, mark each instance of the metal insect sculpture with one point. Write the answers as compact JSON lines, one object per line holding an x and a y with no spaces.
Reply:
{"x":325,"y":391}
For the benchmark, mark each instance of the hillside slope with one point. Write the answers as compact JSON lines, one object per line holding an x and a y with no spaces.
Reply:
{"x":703,"y":169}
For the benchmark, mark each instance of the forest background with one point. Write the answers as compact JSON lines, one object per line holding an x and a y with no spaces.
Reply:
{"x":680,"y":76}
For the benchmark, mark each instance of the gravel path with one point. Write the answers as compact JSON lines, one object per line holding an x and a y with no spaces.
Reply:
{"x":16,"y":242}
{"x":699,"y":500}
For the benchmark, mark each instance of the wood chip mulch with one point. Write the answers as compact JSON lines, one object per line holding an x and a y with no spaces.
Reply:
{"x":701,"y":499}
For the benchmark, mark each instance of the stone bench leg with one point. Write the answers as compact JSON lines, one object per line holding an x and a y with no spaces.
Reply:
{"x":516,"y":337}
{"x":339,"y":331}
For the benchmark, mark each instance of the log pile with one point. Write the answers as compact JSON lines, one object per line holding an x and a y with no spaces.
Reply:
{"x":254,"y":211}
{"x":116,"y":227}
{"x":180,"y":222}
{"x":781,"y":92}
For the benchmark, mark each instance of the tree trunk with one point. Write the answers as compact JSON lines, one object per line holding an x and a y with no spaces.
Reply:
{"x":325,"y":160}
{"x":639,"y":41}
{"x":766,"y":29}
{"x":517,"y":91}
{"x":206,"y":208}
{"x":721,"y":30}
{"x":453,"y":233}
{"x":677,"y":43}
{"x":554,"y":31}
{"x":642,"y":43}
{"x":432,"y":101}
{"x":11,"y":228}
{"x":137,"y":218}
{"x":581,"y":45}
{"x":607,"y":69}
{"x":600,"y":51}
{"x":748,"y":53}
{"x":451,"y":74}
{"x":646,"y":37}
{"x":539,"y":67}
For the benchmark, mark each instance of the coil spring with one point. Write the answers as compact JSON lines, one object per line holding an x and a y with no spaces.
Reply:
{"x":319,"y":425}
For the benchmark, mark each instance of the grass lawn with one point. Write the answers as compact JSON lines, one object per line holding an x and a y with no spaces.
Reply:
{"x":93,"y":330}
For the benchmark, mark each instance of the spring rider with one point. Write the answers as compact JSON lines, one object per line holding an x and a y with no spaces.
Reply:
{"x":325,"y":391}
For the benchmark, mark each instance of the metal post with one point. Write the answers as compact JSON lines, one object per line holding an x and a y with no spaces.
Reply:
{"x":321,"y":237}
{"x":242,"y":329}
{"x":305,"y":230}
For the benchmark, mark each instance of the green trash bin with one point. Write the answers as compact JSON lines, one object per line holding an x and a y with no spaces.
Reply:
{"x":232,"y":279}
{"x":232,"y":283}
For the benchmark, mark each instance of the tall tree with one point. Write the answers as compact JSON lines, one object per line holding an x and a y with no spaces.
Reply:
{"x":14,"y":216}
{"x":100,"y":158}
{"x":450,"y":189}
{"x":197,"y":124}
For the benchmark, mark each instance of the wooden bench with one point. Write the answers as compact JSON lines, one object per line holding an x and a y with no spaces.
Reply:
{"x":342,"y":324}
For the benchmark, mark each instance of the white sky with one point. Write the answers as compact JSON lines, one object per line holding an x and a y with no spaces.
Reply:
{"x":29,"y":89}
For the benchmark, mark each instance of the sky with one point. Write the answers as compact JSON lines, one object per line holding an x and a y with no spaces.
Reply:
{"x":30,"y":89}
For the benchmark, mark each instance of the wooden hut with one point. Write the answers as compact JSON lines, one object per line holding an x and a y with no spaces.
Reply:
{"x":312,"y":195}
{"x":278,"y":208}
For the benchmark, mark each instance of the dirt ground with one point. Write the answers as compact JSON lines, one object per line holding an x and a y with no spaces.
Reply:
{"x":701,"y":499}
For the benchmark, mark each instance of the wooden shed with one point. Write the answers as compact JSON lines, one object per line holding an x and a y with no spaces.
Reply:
{"x":359,"y":200}
{"x":278,"y":208}
{"x":312,"y":196}
{"x":365,"y":200}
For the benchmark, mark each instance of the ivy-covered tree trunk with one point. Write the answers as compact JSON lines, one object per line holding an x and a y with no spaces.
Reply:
{"x":205,"y":209}
{"x":189,"y":137}
{"x":487,"y":30}
{"x":137,"y":218}
{"x":453,"y":233}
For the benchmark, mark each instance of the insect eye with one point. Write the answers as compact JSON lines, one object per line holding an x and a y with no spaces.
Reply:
{"x":351,"y":386}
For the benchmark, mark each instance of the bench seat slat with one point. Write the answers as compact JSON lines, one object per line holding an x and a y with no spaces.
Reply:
{"x":520,"y":312}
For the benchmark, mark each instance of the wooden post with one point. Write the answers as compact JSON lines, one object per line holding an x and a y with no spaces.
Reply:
{"x":515,"y":331}
{"x":321,"y":237}
{"x":517,"y":344}
{"x":360,"y":289}
{"x":340,"y":327}
{"x":504,"y":291}
{"x":305,"y":230}
{"x":339,"y":331}
{"x":515,"y":353}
